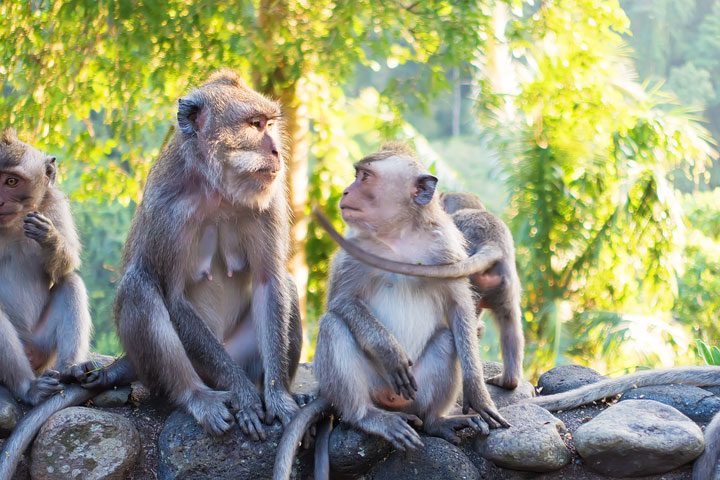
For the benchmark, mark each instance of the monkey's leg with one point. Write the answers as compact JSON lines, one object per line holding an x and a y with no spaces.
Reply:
{"x":347,"y":379}
{"x":159,"y":357}
{"x":15,"y":370}
{"x":438,"y":376}
{"x":508,"y":319}
{"x":66,"y":324}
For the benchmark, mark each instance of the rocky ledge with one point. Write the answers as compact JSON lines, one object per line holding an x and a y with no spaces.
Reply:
{"x":651,"y":433}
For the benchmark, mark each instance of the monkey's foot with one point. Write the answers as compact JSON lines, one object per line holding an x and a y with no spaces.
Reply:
{"x":303,"y":399}
{"x":43,"y":387}
{"x":508,"y":382}
{"x":393,"y":427}
{"x":279,"y":404}
{"x":445,"y":427}
{"x":210,"y":410}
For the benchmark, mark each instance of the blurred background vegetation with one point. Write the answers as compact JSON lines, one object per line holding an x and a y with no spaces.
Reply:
{"x":588,"y":125}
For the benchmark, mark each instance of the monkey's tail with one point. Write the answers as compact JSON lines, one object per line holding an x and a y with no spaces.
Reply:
{"x":25,"y":431}
{"x":482,"y":260}
{"x":293,"y":436}
{"x":705,"y":465}
{"x":698,"y":376}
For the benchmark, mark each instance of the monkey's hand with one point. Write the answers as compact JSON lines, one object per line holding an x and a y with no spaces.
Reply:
{"x":42,"y":388}
{"x":39,"y":228}
{"x":279,"y":404}
{"x":398,"y":371}
{"x":90,"y":375}
{"x":246,"y":406}
{"x":476,"y":396}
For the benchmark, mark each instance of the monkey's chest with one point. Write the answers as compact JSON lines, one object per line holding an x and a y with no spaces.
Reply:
{"x":24,"y":285}
{"x":218,"y":282}
{"x":412,"y":310}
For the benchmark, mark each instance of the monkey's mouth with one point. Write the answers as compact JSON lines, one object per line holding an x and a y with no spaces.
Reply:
{"x":7,"y":216}
{"x":268,"y":173}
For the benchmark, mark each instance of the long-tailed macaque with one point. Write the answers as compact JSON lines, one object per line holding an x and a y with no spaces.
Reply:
{"x":43,"y":303}
{"x":497,"y":289}
{"x":205,"y":309}
{"x":394,"y":349}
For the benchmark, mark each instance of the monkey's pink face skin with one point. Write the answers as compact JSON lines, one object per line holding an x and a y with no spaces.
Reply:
{"x":14,"y":191}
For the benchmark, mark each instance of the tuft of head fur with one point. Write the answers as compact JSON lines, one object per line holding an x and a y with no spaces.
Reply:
{"x":226,"y":76}
{"x":394,"y":148}
{"x":9,"y":136}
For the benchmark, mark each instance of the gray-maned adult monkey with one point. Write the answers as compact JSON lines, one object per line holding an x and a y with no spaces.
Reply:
{"x":394,"y":349}
{"x":205,"y":310}
{"x":43,"y":303}
{"x":497,"y":289}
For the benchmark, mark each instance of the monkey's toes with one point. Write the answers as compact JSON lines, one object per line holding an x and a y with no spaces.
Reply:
{"x":250,"y":424}
{"x":210,"y":411}
{"x":508,"y":383}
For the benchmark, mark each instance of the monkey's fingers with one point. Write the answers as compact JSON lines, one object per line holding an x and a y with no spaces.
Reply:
{"x":402,"y":386}
{"x":50,"y":373}
{"x":37,"y":219}
{"x":406,"y":438}
{"x":479,"y":425}
{"x":249,"y":423}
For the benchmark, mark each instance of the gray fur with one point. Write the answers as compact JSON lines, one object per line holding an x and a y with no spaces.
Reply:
{"x":705,"y":466}
{"x":204,"y":266}
{"x":480,"y":229}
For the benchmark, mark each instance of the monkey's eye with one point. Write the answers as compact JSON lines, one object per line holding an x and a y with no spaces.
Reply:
{"x":12,"y":182}
{"x":364,"y":175}
{"x":257,"y":123}
{"x":270,"y":123}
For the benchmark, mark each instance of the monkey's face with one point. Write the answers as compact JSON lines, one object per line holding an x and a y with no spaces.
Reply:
{"x":25,"y":174}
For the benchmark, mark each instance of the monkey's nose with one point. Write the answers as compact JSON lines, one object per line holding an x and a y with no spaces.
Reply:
{"x":275,"y":152}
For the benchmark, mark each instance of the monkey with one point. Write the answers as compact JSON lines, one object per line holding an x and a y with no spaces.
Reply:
{"x":394,"y":350}
{"x":705,"y":466}
{"x":497,"y":289}
{"x":44,"y":313}
{"x":205,"y":309}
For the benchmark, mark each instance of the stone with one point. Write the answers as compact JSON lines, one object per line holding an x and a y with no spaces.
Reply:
{"x":354,"y":453}
{"x":638,"y":437}
{"x":696,"y":403}
{"x":533,"y":443}
{"x":566,"y":377}
{"x":10,"y":412}
{"x":115,"y":397}
{"x":305,"y":382}
{"x":186,"y":451}
{"x":501,"y":396}
{"x":437,"y":459}
{"x":715,"y":390}
{"x":83,"y":443}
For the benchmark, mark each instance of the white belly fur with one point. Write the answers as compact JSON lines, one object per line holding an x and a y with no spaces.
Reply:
{"x":411,"y":309}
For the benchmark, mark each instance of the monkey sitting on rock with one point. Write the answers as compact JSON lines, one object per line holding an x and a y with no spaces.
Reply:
{"x":43,"y":303}
{"x":396,"y":349}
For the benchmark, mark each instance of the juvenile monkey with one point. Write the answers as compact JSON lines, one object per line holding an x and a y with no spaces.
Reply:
{"x":43,"y":303}
{"x":497,"y":289}
{"x":394,"y":349}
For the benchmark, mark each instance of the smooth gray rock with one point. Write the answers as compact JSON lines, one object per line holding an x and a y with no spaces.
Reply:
{"x":87,"y":444}
{"x":696,"y":403}
{"x":10,"y":412}
{"x":638,"y":437}
{"x":566,"y":377}
{"x":187,"y":452}
{"x":533,"y":442}
{"x":354,"y":453}
{"x":501,"y":396}
{"x":715,"y":390}
{"x":438,"y":459}
{"x":116,"y":397}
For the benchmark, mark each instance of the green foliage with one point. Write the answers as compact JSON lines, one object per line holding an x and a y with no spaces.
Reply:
{"x":710,"y":355}
{"x":592,"y":208}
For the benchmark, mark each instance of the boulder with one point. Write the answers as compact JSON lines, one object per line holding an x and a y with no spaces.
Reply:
{"x":83,"y":443}
{"x":501,"y":396}
{"x":566,"y":377}
{"x":698,"y":404}
{"x":437,"y":459}
{"x":115,"y":397}
{"x":533,"y":443}
{"x":10,"y":412}
{"x":638,"y":437}
{"x":354,"y":453}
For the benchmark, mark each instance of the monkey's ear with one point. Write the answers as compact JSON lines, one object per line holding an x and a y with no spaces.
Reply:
{"x":190,"y":116}
{"x":424,"y":189}
{"x":51,"y":168}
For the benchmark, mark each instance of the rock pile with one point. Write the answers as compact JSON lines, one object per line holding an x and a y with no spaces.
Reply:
{"x":652,"y":432}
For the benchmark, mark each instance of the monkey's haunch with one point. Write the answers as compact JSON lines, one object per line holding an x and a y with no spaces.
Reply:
{"x":479,"y":262}
{"x":28,"y":427}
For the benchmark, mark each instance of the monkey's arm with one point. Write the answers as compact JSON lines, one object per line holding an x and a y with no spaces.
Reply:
{"x":377,"y":343}
{"x":56,"y":235}
{"x":475,"y":394}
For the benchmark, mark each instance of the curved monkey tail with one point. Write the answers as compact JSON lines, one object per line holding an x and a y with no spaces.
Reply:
{"x":293,"y":436}
{"x":705,"y":465}
{"x":25,"y":431}
{"x":698,"y":376}
{"x":482,"y":260}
